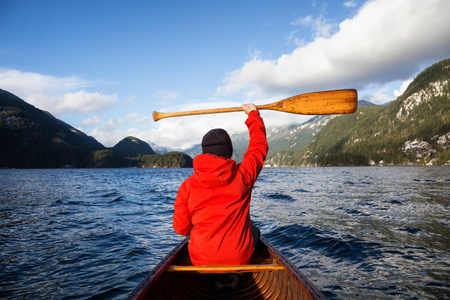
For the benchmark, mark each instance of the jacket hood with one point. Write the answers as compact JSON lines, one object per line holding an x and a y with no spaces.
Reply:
{"x":213,"y":171}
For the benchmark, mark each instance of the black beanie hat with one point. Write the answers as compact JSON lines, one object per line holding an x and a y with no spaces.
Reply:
{"x":218,"y":142}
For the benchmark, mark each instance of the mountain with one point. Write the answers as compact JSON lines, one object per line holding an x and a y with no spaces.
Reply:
{"x":193,"y":151}
{"x":131,"y":147}
{"x":159,"y":149}
{"x":284,"y":143}
{"x":364,"y":103}
{"x":32,"y":138}
{"x":414,"y":129}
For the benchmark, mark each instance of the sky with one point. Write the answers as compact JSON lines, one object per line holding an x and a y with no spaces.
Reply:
{"x":103,"y":66}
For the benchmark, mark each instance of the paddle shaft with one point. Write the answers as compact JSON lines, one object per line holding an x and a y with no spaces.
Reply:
{"x":317,"y":103}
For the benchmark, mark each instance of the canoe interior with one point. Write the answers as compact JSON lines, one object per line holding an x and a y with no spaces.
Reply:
{"x":284,"y":283}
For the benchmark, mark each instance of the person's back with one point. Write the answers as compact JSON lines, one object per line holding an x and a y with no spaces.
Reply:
{"x":213,"y":205}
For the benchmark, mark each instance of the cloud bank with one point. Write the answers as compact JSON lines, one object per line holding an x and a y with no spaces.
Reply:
{"x":55,"y":94}
{"x":386,"y":40}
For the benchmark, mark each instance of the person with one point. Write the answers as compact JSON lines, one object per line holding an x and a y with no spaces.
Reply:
{"x":212,"y":206}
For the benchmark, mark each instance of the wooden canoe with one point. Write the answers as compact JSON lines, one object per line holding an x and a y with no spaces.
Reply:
{"x":269,"y":275}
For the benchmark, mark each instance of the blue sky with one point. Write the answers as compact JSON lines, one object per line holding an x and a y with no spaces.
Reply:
{"x":104,"y":66}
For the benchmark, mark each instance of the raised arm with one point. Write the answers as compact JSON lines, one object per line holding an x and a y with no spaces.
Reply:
{"x":253,"y":161}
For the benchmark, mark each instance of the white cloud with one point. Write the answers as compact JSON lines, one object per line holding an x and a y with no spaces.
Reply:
{"x":110,"y":133}
{"x":320,"y":26}
{"x":350,"y":4}
{"x":107,"y":137}
{"x":379,"y":98}
{"x":184,"y":132}
{"x":82,"y":102}
{"x":114,"y":123}
{"x":25,"y":83}
{"x":403,"y":87}
{"x":253,"y":52}
{"x":54,"y":94}
{"x":387,"y":40}
{"x":293,"y":39}
{"x":303,"y":21}
{"x":91,"y":122}
{"x":132,"y":116}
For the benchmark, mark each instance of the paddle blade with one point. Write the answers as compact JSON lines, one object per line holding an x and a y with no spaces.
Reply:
{"x":318,"y":103}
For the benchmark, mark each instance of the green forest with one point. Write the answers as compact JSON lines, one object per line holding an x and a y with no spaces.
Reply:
{"x":375,"y":134}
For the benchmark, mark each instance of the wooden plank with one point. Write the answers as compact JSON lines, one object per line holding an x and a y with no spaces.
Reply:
{"x":225,"y":268}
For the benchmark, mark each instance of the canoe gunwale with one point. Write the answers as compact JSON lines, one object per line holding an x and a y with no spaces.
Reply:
{"x":299,"y":276}
{"x":157,"y":271}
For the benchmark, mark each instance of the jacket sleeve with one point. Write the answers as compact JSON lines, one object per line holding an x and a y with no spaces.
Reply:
{"x":182,"y":217}
{"x":253,"y":161}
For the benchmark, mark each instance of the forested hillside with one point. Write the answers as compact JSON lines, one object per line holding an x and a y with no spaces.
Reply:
{"x":131,"y":146}
{"x":32,"y":138}
{"x":414,"y":129}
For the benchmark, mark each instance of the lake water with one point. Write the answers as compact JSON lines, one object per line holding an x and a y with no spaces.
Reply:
{"x":357,"y":233}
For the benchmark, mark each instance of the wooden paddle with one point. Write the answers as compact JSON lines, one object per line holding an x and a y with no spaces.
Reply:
{"x":317,"y":103}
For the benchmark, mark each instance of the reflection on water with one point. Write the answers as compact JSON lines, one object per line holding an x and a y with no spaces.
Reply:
{"x":357,"y":233}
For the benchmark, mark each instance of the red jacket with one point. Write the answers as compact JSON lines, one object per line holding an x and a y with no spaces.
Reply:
{"x":213,"y":205}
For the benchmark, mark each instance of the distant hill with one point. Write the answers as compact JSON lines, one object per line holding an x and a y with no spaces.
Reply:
{"x":110,"y":159}
{"x":173,"y":159}
{"x":194,"y":150}
{"x":32,"y":138}
{"x":140,"y":154}
{"x":159,"y":149}
{"x":363,"y":103}
{"x":131,"y":146}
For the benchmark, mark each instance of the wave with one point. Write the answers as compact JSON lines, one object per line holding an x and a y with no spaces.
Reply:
{"x":326,"y":243}
{"x":280,"y":196}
